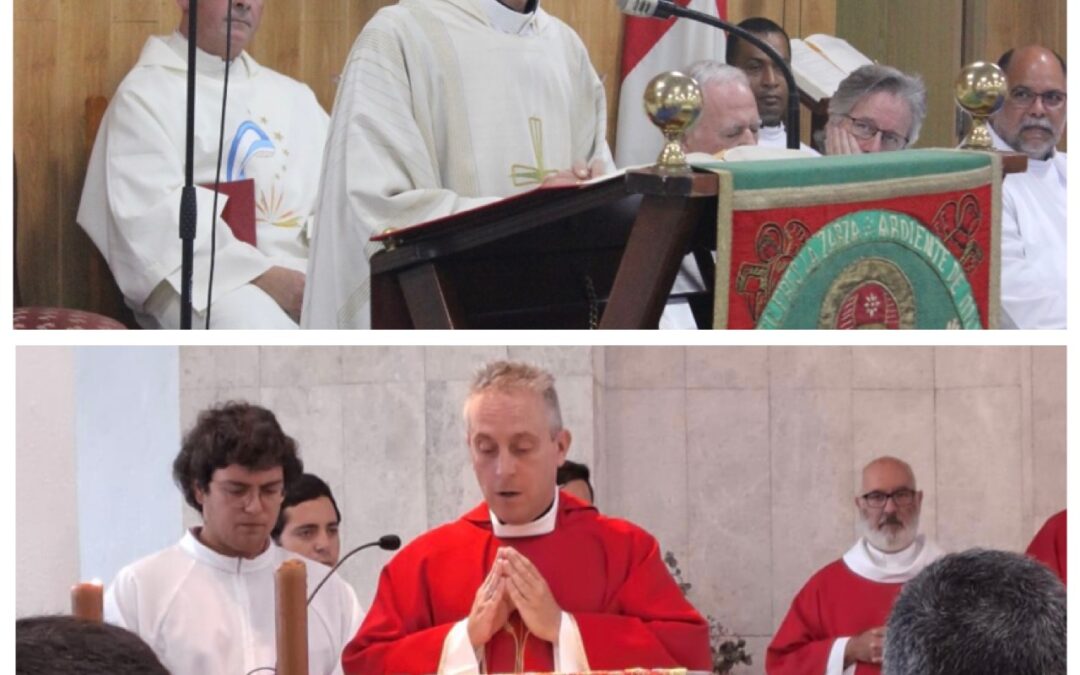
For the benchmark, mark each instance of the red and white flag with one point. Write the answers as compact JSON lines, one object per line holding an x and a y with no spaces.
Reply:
{"x":650,"y":47}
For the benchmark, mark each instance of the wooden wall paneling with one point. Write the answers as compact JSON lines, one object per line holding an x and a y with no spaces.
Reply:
{"x":600,"y":26}
{"x":792,"y":22}
{"x":82,"y":26}
{"x":992,"y":26}
{"x":920,"y":36}
{"x":817,"y":16}
{"x":168,"y":16}
{"x":324,"y":44}
{"x":279,"y":37}
{"x":34,"y":80}
{"x":36,"y":10}
{"x":771,"y":9}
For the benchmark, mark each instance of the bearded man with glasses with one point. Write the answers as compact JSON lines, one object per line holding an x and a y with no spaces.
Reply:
{"x":875,"y":109}
{"x":836,"y":624}
{"x":206,"y":604}
{"x":1033,"y":203}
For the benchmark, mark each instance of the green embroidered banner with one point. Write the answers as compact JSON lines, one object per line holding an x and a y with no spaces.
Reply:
{"x":891,"y":240}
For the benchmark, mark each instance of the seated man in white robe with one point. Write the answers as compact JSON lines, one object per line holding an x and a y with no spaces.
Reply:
{"x":766,"y":79}
{"x":206,"y":605}
{"x":876,"y":108}
{"x":1033,"y":204}
{"x":836,"y":624}
{"x":275,"y":131}
{"x":729,"y":119}
{"x":979,"y":612}
{"x":445,"y":105}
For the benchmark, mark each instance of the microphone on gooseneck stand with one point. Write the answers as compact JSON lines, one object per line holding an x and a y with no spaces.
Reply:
{"x":387,"y":542}
{"x":664,"y":9}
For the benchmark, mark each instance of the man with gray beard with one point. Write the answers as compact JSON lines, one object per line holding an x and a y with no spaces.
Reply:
{"x":978,"y":612}
{"x":836,"y":624}
{"x":1033,"y":203}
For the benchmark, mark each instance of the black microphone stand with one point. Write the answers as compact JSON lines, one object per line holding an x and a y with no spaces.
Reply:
{"x":667,"y":8}
{"x":387,"y":542}
{"x":189,"y":206}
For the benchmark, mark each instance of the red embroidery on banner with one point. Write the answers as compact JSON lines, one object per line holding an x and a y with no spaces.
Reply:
{"x":956,"y":223}
{"x":775,"y":246}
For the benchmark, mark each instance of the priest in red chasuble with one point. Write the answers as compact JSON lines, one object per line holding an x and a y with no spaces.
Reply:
{"x":533,"y":579}
{"x":836,"y":624}
{"x":1049,"y":545}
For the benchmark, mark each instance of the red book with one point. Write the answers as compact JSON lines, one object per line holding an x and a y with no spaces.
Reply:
{"x":239,"y":211}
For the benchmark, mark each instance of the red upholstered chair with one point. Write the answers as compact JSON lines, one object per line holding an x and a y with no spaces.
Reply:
{"x":60,"y":318}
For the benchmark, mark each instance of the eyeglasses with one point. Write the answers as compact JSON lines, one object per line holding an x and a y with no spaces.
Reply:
{"x":902,"y":498}
{"x":1022,"y":97}
{"x":241,"y":494}
{"x":865,"y":129}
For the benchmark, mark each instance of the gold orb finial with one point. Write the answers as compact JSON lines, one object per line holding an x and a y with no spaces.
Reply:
{"x":980,"y":90}
{"x":673,"y":102}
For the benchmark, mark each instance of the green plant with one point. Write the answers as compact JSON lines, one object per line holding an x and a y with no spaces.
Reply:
{"x":728,"y":650}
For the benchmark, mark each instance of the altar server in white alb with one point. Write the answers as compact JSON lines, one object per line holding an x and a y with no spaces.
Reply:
{"x":766,"y":78}
{"x":836,"y":624}
{"x":445,"y":105}
{"x":1033,"y":203}
{"x":206,"y":604}
{"x":275,"y":131}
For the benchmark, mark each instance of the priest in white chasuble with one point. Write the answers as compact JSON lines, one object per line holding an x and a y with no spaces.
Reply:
{"x":274,"y":135}
{"x":206,"y":605}
{"x":836,"y":623}
{"x":1033,"y":203}
{"x":445,"y":105}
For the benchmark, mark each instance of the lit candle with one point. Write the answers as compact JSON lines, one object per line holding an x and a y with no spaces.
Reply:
{"x":292,"y":647}
{"x":86,"y":601}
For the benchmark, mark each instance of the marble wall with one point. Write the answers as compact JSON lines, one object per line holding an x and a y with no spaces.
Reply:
{"x":743,"y":461}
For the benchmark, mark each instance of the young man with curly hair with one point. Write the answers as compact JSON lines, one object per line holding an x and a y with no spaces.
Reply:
{"x":206,"y":604}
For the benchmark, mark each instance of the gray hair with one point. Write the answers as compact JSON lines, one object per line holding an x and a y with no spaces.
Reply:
{"x":708,"y":72}
{"x":978,"y":612}
{"x":510,"y":375}
{"x":873,"y":78}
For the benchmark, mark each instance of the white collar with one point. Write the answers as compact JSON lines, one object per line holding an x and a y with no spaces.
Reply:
{"x":210,"y":64}
{"x":191,"y":545}
{"x":891,"y":568}
{"x":506,"y":20}
{"x":545,"y":524}
{"x":773,"y":132}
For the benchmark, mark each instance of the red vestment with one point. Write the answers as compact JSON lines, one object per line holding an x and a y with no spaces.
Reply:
{"x":835,"y":603}
{"x":607,"y":573}
{"x":1048,"y":546}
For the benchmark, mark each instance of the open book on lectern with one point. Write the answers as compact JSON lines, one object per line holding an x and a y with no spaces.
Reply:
{"x":821,"y":62}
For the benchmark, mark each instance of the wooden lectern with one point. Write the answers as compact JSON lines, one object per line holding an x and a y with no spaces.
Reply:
{"x":600,"y":255}
{"x":605,"y":254}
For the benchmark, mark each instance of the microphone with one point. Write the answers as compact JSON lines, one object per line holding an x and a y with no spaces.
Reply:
{"x":387,"y":542}
{"x":663,"y":9}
